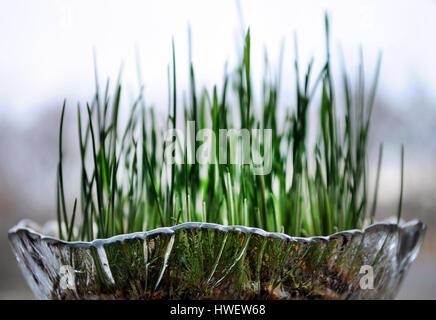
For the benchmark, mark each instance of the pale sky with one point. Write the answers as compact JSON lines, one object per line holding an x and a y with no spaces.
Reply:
{"x":46,"y":45}
{"x":46,"y":54}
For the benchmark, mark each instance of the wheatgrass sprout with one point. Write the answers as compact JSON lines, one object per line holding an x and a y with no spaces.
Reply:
{"x":128,"y":185}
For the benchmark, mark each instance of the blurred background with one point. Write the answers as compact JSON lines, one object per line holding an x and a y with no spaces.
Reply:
{"x":46,"y":55}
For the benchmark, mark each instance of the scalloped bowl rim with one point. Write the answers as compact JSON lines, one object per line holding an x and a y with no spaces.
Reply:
{"x":23,"y":226}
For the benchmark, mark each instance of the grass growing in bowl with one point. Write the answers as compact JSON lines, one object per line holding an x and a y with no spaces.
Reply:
{"x":127,"y":184}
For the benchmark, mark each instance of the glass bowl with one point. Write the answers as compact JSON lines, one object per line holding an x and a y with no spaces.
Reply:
{"x":209,"y":261}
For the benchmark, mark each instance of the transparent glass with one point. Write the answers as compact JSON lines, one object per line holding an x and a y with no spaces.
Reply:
{"x":209,"y":261}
